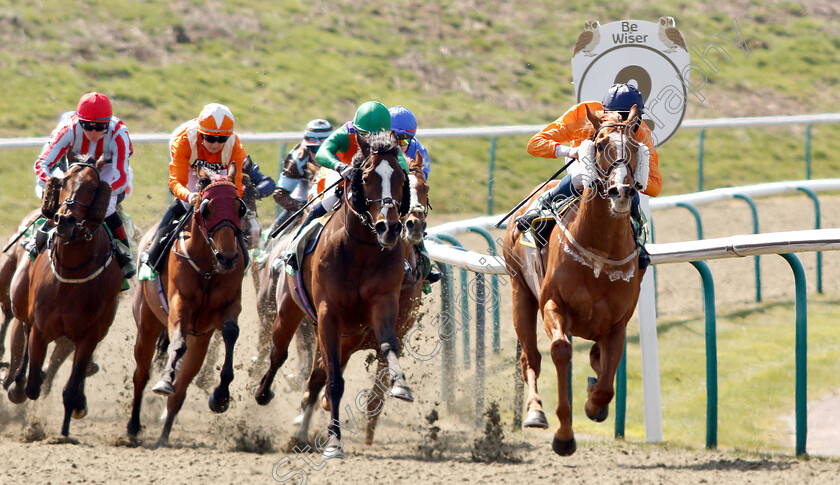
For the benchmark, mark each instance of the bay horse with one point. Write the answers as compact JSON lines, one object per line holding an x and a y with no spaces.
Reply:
{"x":71,"y":289}
{"x":15,"y":255}
{"x":352,"y":279}
{"x":411,"y":292}
{"x":591,"y":279}
{"x":202,"y":288}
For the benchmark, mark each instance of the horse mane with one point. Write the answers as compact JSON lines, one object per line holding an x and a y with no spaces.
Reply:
{"x":382,"y":142}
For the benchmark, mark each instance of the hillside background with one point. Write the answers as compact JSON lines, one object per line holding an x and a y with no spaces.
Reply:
{"x":454,"y":63}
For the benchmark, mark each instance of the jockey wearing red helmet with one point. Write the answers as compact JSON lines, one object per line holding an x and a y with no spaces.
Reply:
{"x":93,"y":130}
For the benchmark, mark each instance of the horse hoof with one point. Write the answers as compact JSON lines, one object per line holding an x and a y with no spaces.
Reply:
{"x":164,"y":388}
{"x":218,"y":406}
{"x":402,"y":393}
{"x":298,"y":420}
{"x":563,"y":448}
{"x":600,"y":416}
{"x":16,"y":393}
{"x":92,"y":369}
{"x":535,"y":419}
{"x":333,"y":452}
{"x":264,"y":398}
{"x":79,"y":413}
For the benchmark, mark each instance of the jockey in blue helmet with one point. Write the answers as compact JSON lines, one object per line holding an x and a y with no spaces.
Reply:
{"x":404,"y":124}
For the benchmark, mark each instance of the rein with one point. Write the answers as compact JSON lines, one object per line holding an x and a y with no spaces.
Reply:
{"x":56,"y":261}
{"x":621,"y":160}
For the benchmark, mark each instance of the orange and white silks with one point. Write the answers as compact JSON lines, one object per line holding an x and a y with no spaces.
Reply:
{"x":573,"y":128}
{"x":185,"y":150}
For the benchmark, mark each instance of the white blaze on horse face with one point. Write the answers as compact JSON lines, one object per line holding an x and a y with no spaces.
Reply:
{"x":385,"y":172}
{"x":415,"y":199}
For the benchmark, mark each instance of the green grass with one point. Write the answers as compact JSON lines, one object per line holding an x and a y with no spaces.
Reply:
{"x":279,"y":65}
{"x":756,"y":376}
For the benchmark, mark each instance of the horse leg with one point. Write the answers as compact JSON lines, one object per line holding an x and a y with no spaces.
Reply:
{"x":375,"y":401}
{"x":525,"y":323}
{"x":4,"y":327}
{"x":63,"y":348}
{"x":193,"y":358}
{"x":385,"y":316}
{"x":148,"y":332}
{"x":314,"y":385}
{"x":75,"y":402}
{"x":286,"y":323}
{"x":177,"y":348}
{"x":37,"y":354}
{"x":561,"y":353}
{"x":16,"y":377}
{"x":220,"y":398}
{"x":329,"y":337}
{"x":604,"y":359}
{"x":305,"y":346}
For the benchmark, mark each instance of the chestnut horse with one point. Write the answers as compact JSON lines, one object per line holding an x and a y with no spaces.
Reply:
{"x":352,"y":279}
{"x":410,"y":294}
{"x":591,"y":278}
{"x":71,"y":290}
{"x":202,"y":284}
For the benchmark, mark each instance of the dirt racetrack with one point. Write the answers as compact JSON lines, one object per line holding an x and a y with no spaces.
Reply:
{"x":222,"y":448}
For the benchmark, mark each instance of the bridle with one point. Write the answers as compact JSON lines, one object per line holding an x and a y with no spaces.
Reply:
{"x":81,"y":230}
{"x":623,"y":158}
{"x":208,"y":232}
{"x":366,"y":217}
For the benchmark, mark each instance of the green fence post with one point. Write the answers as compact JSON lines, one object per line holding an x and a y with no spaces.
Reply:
{"x":801,"y":353}
{"x":696,"y":214}
{"x":817,"y":225}
{"x":465,"y":302}
{"x":754,"y":210}
{"x":621,"y":393}
{"x":711,"y":353}
{"x":494,"y":286}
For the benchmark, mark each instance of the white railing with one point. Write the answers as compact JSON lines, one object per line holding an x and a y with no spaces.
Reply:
{"x":486,"y":131}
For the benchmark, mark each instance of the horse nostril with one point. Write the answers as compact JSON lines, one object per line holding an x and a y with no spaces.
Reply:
{"x":632,"y":192}
{"x":381,"y":227}
{"x":423,"y":226}
{"x":613,"y":192}
{"x":409,"y":225}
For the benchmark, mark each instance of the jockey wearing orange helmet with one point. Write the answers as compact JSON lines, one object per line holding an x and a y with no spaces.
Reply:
{"x":207,"y":141}
{"x":573,"y":128}
{"x":91,"y":129}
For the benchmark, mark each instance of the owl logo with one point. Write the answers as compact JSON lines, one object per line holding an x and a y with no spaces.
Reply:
{"x":670,"y":35}
{"x":588,"y":39}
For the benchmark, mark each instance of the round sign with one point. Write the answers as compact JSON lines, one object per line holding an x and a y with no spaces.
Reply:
{"x":638,"y":53}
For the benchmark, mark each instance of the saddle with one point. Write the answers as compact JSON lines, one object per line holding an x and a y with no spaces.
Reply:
{"x":541,"y":227}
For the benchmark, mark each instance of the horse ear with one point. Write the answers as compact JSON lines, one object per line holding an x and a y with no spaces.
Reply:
{"x":232,"y":169}
{"x":363,"y":143}
{"x":100,"y":163}
{"x":392,"y":137}
{"x":96,"y":212}
{"x":71,"y":157}
{"x":49,"y":200}
{"x":596,"y":122}
{"x":631,"y":117}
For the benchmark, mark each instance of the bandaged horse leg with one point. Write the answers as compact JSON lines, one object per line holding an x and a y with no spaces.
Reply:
{"x":388,"y":346}
{"x":177,"y":348}
{"x":220,"y":398}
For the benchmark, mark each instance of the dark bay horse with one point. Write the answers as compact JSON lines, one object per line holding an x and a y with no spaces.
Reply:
{"x":352,"y":279}
{"x":202,"y":284}
{"x":410,"y":295}
{"x":591,"y":278}
{"x":71,"y":290}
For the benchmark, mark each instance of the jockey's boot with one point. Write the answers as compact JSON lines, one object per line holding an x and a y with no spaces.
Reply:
{"x":290,"y":255}
{"x":125,"y":259}
{"x":36,"y":243}
{"x":122,"y":249}
{"x":638,"y":225}
{"x":524,"y":221}
{"x":428,"y":270}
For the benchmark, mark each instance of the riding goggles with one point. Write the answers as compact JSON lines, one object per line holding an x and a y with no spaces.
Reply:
{"x":215,"y":139}
{"x":89,"y":126}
